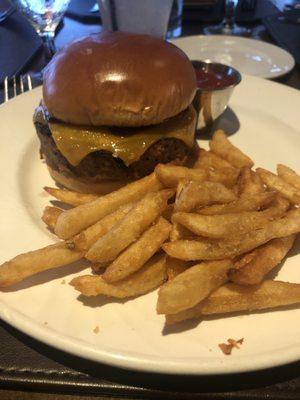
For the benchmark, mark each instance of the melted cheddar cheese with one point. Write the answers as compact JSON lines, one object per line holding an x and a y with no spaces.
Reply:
{"x":76,"y":142}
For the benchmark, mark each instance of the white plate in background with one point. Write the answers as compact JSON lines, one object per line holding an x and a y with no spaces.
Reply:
{"x":130,"y":333}
{"x":248,"y":56}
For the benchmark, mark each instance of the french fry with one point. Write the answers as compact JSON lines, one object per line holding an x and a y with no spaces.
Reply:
{"x":73,"y":221}
{"x":28,"y":264}
{"x":226,"y":176}
{"x":133,"y":224}
{"x":249,"y":183}
{"x":178,"y":231}
{"x":253,"y":267}
{"x":192,"y":286}
{"x":221,"y":146}
{"x":85,"y":239}
{"x":255,"y":203}
{"x":274,"y":182}
{"x":152,"y":275}
{"x":208,"y":160}
{"x":167,"y":214}
{"x":170,"y":175}
{"x":136,"y":255}
{"x":176,"y":267}
{"x":50,"y":216}
{"x":69,"y":197}
{"x":194,"y":194}
{"x":236,"y":298}
{"x":190,"y":250}
{"x":288,"y":175}
{"x":226,"y":225}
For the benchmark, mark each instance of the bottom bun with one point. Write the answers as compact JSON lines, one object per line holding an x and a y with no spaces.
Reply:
{"x":71,"y":182}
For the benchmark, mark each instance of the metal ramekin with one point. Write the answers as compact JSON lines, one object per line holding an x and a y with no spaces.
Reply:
{"x":211,"y":103}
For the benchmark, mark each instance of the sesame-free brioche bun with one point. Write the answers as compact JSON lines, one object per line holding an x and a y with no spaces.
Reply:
{"x":118,"y":79}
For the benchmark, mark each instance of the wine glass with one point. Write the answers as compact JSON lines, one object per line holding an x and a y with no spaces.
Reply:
{"x":44,"y":15}
{"x":228,"y":25}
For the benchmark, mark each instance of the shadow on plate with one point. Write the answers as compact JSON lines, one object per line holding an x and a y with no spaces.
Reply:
{"x":228,"y":122}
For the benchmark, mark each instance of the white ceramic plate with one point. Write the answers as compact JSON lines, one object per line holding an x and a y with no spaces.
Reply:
{"x":130,"y":333}
{"x":248,"y":56}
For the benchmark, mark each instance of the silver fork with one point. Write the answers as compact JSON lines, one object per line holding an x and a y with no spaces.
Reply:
{"x":19,"y":86}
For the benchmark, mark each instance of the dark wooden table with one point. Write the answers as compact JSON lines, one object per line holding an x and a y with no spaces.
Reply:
{"x":32,"y":370}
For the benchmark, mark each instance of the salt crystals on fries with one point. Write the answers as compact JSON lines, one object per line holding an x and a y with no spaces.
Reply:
{"x":195,"y":194}
{"x":152,"y":275}
{"x":205,"y":249}
{"x":192,"y":286}
{"x":73,"y":221}
{"x":236,"y":298}
{"x":135,"y":256}
{"x":85,"y":239}
{"x":138,"y":219}
{"x":226,"y":223}
{"x":255,"y":203}
{"x":252,"y":267}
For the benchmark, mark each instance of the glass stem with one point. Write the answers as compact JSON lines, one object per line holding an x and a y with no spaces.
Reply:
{"x":229,"y":18}
{"x":49,"y":45}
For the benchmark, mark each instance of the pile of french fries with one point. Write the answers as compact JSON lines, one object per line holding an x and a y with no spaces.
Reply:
{"x":207,"y":236}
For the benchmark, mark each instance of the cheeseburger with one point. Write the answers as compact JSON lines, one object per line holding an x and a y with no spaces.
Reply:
{"x":114,"y":106}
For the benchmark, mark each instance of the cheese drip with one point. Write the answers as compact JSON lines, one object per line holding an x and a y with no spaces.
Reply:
{"x":76,"y":142}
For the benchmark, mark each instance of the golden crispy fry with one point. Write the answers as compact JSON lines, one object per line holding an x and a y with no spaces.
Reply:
{"x":167,"y":214}
{"x":69,"y":197}
{"x":227,"y":176}
{"x":73,"y":221}
{"x":254,"y":203}
{"x":253,"y":267}
{"x":220,"y":249}
{"x":221,"y":146}
{"x":170,"y":175}
{"x":50,"y":216}
{"x":208,"y":160}
{"x":249,"y":183}
{"x":133,"y":224}
{"x":85,"y":239}
{"x":234,"y":298}
{"x":176,"y":267}
{"x":178,"y":231}
{"x":194,"y":194}
{"x":273,"y":182}
{"x":226,"y":225}
{"x":152,"y":275}
{"x":136,"y":255}
{"x":28,"y":264}
{"x":288,"y":175}
{"x":192,"y":286}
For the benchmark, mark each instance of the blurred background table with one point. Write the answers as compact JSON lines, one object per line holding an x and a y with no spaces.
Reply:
{"x":32,"y":370}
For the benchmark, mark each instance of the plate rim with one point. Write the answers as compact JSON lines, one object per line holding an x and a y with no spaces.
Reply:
{"x":263,"y":43}
{"x":85,"y":350}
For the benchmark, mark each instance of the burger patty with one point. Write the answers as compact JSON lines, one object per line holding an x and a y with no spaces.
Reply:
{"x":101,"y":165}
